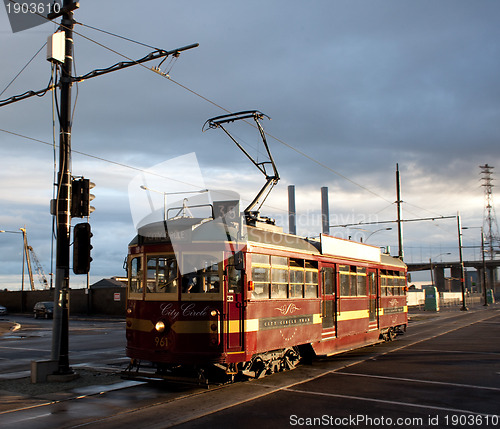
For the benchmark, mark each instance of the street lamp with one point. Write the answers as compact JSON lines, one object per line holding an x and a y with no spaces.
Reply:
{"x":462,"y":271}
{"x":378,"y":230}
{"x":369,"y":235}
{"x":430,"y":265}
{"x":483,"y":260}
{"x":25,"y":250}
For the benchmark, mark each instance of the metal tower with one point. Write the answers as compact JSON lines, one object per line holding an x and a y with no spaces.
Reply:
{"x":490,"y":225}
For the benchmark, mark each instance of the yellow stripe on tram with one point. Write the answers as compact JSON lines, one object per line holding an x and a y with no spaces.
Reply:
{"x":352,"y":315}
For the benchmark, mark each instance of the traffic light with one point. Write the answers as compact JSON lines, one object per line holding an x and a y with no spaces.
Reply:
{"x":81,"y":197}
{"x":81,"y":248}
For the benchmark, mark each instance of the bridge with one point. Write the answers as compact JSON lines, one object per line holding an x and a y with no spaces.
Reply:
{"x":452,"y":284}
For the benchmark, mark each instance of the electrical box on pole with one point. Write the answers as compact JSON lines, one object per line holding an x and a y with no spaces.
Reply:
{"x":82,"y":247}
{"x":56,"y":44}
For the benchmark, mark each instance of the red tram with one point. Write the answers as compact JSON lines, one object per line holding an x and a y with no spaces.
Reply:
{"x":241,"y":297}
{"x":254,"y":307}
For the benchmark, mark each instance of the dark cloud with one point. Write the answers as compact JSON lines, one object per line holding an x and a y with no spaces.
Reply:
{"x":357,"y":85}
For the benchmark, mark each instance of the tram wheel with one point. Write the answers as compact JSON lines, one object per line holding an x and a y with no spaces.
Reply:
{"x":391,"y":334}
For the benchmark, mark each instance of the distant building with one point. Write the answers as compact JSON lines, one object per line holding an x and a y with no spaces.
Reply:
{"x":112,"y":282}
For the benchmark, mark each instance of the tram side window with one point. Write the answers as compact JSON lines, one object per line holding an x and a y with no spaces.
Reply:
{"x":278,"y":277}
{"x":311,"y":286}
{"x":279,"y":282}
{"x":352,"y":280}
{"x":161,"y":274}
{"x":296,"y":279}
{"x":135,"y":280}
{"x":361,"y":281}
{"x":383,"y":283}
{"x":345,"y":280}
{"x":402,"y":282}
{"x":390,"y":284}
{"x":261,"y":281}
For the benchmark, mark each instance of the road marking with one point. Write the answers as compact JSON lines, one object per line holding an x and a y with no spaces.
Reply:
{"x":25,"y":349}
{"x":383,"y":377}
{"x":24,"y":419}
{"x":15,"y":375}
{"x":462,"y":352}
{"x":385,"y":401}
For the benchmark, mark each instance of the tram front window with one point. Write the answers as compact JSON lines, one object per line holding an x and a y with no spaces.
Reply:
{"x":162,"y":274}
{"x":203,"y":276}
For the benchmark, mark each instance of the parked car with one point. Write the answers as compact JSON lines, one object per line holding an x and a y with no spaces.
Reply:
{"x":43,"y":309}
{"x":3,"y":310}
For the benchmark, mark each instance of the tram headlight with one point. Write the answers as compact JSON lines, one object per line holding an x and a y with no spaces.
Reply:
{"x":160,"y":326}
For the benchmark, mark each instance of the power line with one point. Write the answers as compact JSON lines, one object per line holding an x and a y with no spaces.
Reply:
{"x":24,"y":68}
{"x":116,"y":35}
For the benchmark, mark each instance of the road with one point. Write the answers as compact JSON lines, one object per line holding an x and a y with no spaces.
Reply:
{"x":92,"y":343}
{"x":444,"y":372}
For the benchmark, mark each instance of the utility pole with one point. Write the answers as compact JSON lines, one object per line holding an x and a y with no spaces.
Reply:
{"x":325,"y":211}
{"x":462,"y":271}
{"x":400,"y":224}
{"x":490,"y":225}
{"x":60,"y":343}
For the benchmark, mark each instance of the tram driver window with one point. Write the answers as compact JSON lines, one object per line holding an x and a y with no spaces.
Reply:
{"x":161,"y":274}
{"x":202,"y":274}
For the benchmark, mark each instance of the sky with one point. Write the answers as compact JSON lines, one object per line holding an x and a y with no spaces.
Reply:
{"x":352,"y":87}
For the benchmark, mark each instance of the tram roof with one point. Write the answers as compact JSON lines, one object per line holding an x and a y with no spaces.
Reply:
{"x":206,"y":230}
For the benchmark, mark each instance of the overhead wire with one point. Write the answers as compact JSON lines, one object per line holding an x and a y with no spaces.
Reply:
{"x":24,"y":68}
{"x":116,"y":35}
{"x":116,"y":163}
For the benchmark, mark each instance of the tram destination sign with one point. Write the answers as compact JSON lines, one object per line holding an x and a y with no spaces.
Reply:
{"x":337,"y":246}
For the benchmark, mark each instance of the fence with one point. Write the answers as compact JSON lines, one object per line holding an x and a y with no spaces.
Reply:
{"x":416,"y":299}
{"x":106,"y":301}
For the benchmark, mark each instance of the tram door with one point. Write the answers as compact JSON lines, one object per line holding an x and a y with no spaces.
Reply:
{"x":235,"y":307}
{"x":372,"y":298}
{"x":329,"y":304}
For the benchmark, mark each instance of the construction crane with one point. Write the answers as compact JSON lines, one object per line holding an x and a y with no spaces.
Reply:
{"x":30,"y":256}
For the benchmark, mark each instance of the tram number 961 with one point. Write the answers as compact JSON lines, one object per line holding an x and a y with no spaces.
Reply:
{"x":161,"y":342}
